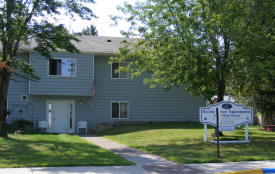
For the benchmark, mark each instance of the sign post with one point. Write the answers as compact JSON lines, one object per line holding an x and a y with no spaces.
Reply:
{"x":226,"y":116}
{"x":205,"y":133}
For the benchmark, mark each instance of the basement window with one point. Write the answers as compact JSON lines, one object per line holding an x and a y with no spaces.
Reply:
{"x":62,"y":67}
{"x":119,"y":110}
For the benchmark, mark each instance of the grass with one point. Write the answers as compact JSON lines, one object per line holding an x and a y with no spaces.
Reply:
{"x":183,"y":142}
{"x":43,"y":150}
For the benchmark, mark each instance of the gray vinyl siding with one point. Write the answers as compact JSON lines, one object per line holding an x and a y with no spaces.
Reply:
{"x":145,"y":104}
{"x":19,"y":109}
{"x":81,"y":85}
{"x":18,"y":86}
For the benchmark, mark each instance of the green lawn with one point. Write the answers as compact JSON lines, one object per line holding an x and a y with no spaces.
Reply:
{"x":54,"y":150}
{"x":183,"y":142}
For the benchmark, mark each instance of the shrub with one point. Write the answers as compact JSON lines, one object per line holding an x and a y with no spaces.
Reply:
{"x":22,"y":126}
{"x":10,"y":128}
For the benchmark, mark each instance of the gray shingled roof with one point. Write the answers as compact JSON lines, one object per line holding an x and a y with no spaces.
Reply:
{"x":92,"y":44}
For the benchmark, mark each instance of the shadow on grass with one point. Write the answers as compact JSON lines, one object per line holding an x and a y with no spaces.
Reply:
{"x":122,"y":129}
{"x":27,"y":153}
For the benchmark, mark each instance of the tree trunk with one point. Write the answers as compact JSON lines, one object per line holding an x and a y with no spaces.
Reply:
{"x":221,"y":89}
{"x":4,"y":84}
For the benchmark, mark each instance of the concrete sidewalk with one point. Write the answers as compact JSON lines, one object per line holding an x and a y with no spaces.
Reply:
{"x":76,"y":170}
{"x":153,"y":164}
{"x":204,"y":168}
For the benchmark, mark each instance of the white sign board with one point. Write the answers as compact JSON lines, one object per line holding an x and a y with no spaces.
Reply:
{"x":231,"y":115}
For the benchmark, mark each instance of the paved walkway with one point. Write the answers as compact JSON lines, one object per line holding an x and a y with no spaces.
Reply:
{"x":153,"y":164}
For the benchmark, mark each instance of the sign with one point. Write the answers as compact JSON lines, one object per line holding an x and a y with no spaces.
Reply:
{"x":231,"y":115}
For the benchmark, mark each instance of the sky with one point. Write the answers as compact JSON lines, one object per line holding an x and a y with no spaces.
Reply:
{"x":102,"y":9}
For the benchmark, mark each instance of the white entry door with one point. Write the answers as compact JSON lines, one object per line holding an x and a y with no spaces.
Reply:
{"x":60,"y":116}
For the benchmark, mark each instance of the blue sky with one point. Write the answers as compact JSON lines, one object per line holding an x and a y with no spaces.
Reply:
{"x":102,"y":9}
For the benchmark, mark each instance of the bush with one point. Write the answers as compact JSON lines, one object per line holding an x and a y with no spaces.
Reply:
{"x":10,"y":128}
{"x":22,"y":126}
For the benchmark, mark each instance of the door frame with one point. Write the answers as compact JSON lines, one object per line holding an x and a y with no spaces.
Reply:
{"x":50,"y":123}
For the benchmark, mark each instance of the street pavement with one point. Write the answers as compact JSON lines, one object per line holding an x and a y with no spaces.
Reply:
{"x":232,"y":166}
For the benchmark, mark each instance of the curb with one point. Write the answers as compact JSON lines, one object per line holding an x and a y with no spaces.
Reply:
{"x":254,"y":171}
{"x":268,"y":170}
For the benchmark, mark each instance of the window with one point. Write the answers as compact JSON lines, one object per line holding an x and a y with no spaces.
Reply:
{"x":120,"y":110}
{"x":121,"y":74}
{"x":62,"y":67}
{"x":49,"y":115}
{"x":71,"y":115}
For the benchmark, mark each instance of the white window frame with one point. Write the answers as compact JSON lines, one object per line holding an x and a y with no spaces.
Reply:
{"x":119,"y":110}
{"x":62,"y":59}
{"x":119,"y":72}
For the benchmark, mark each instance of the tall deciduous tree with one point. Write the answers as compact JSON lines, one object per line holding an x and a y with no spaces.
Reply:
{"x":254,"y":78}
{"x":187,"y":42}
{"x":22,"y":21}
